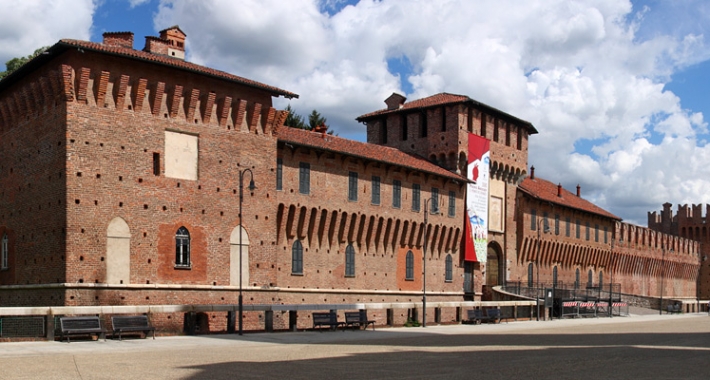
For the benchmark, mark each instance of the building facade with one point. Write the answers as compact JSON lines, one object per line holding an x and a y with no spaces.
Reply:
{"x":125,"y":179}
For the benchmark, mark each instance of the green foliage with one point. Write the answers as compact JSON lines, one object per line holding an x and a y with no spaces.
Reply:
{"x":411,"y":323}
{"x":315,"y":119}
{"x":17,"y":62}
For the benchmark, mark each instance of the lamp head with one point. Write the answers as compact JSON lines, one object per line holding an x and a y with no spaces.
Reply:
{"x":252,"y":186}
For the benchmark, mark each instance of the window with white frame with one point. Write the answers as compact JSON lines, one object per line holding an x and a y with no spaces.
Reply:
{"x":182,"y":248}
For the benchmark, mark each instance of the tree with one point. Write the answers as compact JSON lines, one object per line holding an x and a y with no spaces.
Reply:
{"x":17,"y":62}
{"x":315,"y":120}
{"x":294,"y":120}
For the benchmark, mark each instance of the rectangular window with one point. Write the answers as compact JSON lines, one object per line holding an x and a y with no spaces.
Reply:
{"x":279,"y":173}
{"x":434,"y":200}
{"x":579,"y":228}
{"x":423,"y":124}
{"x":452,"y":203}
{"x":405,"y":129}
{"x":396,"y":194}
{"x":375,"y":190}
{"x":557,"y":224}
{"x":5,"y":253}
{"x":545,"y":223}
{"x":596,"y":233}
{"x":605,"y":236}
{"x":304,"y":178}
{"x":443,"y":119}
{"x":416,"y":197}
{"x":156,"y":163}
{"x":533,"y":219}
{"x":352,"y":186}
{"x":587,"y":231}
{"x":568,"y":222}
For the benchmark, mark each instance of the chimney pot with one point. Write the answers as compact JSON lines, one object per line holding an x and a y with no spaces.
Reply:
{"x":579,"y":190}
{"x":532,"y":172}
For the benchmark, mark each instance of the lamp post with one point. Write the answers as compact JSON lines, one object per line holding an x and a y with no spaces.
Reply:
{"x":241,"y":230}
{"x":537,"y":263}
{"x":426,"y":228}
{"x":611,"y":283}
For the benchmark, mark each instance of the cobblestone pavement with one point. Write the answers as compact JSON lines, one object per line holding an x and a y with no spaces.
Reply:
{"x":640,"y":346}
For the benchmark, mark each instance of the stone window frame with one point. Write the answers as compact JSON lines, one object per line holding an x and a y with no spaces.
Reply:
{"x":182,"y":248}
{"x":350,"y":261}
{"x":397,"y":193}
{"x":297,"y":258}
{"x":352,"y":186}
{"x":304,"y":178}
{"x":376,"y":181}
{"x":449,"y":269}
{"x":279,"y":174}
{"x":416,"y":197}
{"x":409,"y":266}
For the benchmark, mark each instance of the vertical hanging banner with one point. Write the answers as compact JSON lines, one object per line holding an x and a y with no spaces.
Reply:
{"x":477,"y":198}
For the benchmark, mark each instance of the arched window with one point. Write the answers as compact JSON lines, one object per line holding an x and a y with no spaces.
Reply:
{"x":554,"y":276}
{"x":530,"y":275}
{"x":577,"y":279}
{"x":182,"y":247}
{"x":349,"y":261}
{"x":590,"y":279}
{"x":449,"y":273}
{"x":5,"y":252}
{"x":297,"y":257}
{"x":409,"y":275}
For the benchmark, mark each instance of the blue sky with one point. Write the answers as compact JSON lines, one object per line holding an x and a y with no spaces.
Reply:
{"x":617,"y":89}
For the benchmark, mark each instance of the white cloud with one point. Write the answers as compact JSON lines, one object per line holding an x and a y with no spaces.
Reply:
{"x":30,"y":24}
{"x":589,"y":75}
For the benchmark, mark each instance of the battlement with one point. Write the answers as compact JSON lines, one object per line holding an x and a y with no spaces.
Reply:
{"x":122,"y":92}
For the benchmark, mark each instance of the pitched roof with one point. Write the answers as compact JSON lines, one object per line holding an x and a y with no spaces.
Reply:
{"x":547,"y":191}
{"x":444,"y":99}
{"x":358,"y":149}
{"x":140,"y":55}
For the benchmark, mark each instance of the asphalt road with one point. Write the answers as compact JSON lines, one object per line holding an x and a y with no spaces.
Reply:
{"x":635,"y":347}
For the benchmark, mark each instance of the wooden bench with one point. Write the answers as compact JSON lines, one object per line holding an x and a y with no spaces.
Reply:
{"x":132,"y":323}
{"x":493,"y":315}
{"x":476,"y":316}
{"x":81,"y":326}
{"x":326,"y":319}
{"x":358,"y":318}
{"x":674,"y":309}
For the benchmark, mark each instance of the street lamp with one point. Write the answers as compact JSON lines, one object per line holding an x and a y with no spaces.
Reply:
{"x":611,"y":283}
{"x":426,"y":227}
{"x":546,"y":228}
{"x":252,"y":187}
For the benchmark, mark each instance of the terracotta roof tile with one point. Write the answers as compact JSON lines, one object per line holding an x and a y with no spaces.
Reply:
{"x":547,"y":191}
{"x":168,"y":61}
{"x":362,"y":150}
{"x":443,"y":99}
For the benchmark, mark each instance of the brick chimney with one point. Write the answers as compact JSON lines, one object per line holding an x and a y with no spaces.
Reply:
{"x":579,"y":190}
{"x":532,"y":172}
{"x":395,"y":101}
{"x":119,"y":39}
{"x":559,"y":190}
